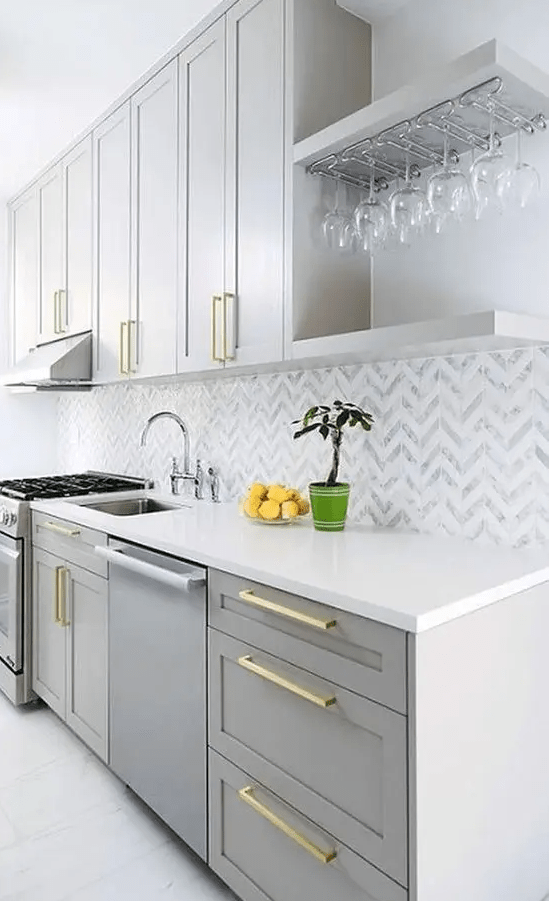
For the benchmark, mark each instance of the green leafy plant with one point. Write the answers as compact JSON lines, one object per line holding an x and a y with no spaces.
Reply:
{"x":330,"y":421}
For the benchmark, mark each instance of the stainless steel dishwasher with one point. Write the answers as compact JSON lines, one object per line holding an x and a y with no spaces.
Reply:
{"x":157,"y":663}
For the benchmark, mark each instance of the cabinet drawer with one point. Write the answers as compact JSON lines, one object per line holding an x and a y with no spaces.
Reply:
{"x":347,"y":752}
{"x":365,"y":656}
{"x":267,"y":850}
{"x":72,"y":542}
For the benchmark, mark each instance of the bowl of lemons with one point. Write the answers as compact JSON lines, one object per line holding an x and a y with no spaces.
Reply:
{"x":273,"y":504}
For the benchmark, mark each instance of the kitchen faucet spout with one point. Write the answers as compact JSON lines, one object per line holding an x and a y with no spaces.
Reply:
{"x":165,"y":414}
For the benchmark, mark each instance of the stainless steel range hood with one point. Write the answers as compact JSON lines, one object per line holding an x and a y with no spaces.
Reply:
{"x":65,"y":364}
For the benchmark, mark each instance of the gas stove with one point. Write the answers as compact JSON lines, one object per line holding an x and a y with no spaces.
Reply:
{"x":15,"y":563}
{"x":16,"y":494}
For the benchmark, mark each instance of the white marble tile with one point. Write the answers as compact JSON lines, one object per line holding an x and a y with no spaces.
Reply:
{"x":169,"y":873}
{"x":70,"y":830}
{"x":7,"y":832}
{"x":52,"y":796}
{"x":55,"y":865}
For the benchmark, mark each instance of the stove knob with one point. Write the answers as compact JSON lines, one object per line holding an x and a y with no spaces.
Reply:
{"x":4,"y":516}
{"x":12,"y":519}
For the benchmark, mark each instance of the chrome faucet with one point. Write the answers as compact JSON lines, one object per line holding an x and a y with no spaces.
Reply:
{"x":176,"y":475}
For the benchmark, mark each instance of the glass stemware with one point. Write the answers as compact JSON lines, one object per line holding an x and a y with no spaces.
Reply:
{"x":372,"y":220}
{"x":520,"y":183}
{"x":409,"y":208}
{"x":486,"y":172}
{"x":338,"y":227}
{"x":448,"y":192}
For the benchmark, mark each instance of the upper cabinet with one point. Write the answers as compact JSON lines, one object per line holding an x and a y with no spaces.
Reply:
{"x":170,"y":226}
{"x":254,"y":178}
{"x":114,"y":330}
{"x":202,"y":193}
{"x":76,"y":304}
{"x":25,"y":259}
{"x":232,"y":189}
{"x":65,"y":198}
{"x":50,"y":198}
{"x":154,"y":176}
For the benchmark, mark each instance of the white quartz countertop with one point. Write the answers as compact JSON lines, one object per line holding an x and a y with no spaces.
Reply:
{"x":410,"y":581}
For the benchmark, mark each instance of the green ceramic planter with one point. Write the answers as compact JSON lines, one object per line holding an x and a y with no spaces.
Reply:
{"x":329,"y":505}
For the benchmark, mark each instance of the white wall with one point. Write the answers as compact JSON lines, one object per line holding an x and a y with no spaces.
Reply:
{"x":502,"y":263}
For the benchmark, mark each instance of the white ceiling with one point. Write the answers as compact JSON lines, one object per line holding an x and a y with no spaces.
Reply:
{"x":63,"y":62}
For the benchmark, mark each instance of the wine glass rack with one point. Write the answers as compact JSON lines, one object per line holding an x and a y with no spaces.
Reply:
{"x":464,"y":118}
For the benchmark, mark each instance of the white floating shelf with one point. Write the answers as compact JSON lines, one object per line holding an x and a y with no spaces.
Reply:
{"x":527,"y":84}
{"x":489,"y":331}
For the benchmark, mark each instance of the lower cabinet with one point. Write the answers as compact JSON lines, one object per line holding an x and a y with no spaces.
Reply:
{"x":70,"y":646}
{"x":264,"y":848}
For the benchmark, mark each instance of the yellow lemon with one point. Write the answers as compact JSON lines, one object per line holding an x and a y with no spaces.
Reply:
{"x":258,"y":490}
{"x":252,"y":505}
{"x":304,"y":506}
{"x":269,"y":510}
{"x":289,"y":510}
{"x":277,"y":493}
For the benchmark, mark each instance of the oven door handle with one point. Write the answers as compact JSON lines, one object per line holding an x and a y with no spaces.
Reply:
{"x":8,"y":552}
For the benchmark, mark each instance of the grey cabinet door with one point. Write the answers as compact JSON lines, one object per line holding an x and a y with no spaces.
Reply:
{"x":50,"y":192}
{"x":357,"y":653}
{"x":48,"y":632}
{"x":348,"y":751}
{"x":154,"y":124}
{"x":77,"y":301}
{"x":25,"y":250}
{"x":87,"y":700}
{"x":254,"y":218}
{"x":202,"y":196}
{"x":112,"y":249}
{"x":267,"y":851}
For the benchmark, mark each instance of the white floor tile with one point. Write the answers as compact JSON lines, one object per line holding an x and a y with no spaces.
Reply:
{"x":52,"y":796}
{"x":70,"y":831}
{"x":7,"y":832}
{"x":167,"y":874}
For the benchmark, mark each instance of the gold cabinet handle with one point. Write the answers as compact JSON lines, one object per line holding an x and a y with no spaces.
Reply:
{"x":56,"y":312}
{"x":228,"y":298}
{"x":63,"y":621}
{"x":132,"y":327}
{"x":63,"y":313}
{"x":252,"y":667}
{"x":63,"y":530}
{"x":57,"y":594}
{"x":122,"y":348}
{"x":247,"y":795}
{"x":279,"y":609}
{"x":217,"y":300}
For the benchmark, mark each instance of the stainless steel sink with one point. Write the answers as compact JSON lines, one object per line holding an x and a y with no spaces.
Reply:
{"x":134,"y":506}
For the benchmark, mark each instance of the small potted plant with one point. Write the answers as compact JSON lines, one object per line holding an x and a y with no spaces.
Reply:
{"x":330,"y":499}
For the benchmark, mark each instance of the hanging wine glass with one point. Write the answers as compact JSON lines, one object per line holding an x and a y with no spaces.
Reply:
{"x":448,"y":192}
{"x":518,"y":185}
{"x":409,"y":208}
{"x":486,"y":172}
{"x":338,"y":227}
{"x":371,"y":219}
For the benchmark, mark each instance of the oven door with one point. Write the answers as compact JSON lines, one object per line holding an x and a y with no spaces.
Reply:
{"x":11,"y":603}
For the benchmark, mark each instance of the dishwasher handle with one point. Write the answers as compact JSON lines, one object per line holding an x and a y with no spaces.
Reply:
{"x":194,"y":579}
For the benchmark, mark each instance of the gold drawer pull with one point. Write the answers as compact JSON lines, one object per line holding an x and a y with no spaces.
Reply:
{"x":304,"y":618}
{"x":53,"y":527}
{"x":247,"y":795}
{"x":248,"y":663}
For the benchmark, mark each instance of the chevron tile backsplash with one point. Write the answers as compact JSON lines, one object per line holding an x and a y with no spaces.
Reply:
{"x":460,"y":444}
